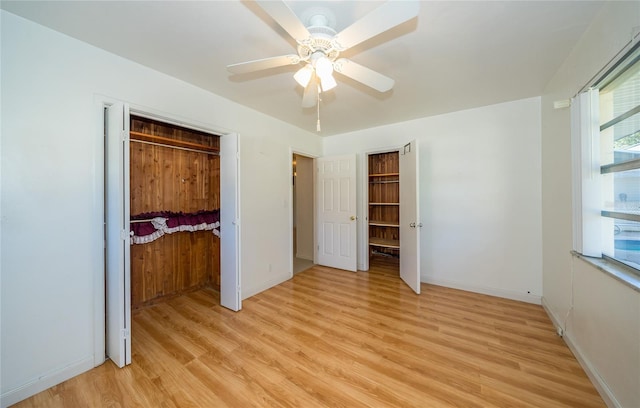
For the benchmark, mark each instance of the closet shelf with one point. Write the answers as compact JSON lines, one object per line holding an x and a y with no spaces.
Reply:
{"x":172,"y":142}
{"x":384,"y":181}
{"x":384,"y":243}
{"x":383,"y":174}
{"x":383,"y":224}
{"x":384,"y":203}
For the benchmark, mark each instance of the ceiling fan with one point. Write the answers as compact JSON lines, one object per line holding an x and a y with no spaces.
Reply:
{"x":319,"y":46}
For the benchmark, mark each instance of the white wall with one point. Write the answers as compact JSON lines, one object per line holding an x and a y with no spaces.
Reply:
{"x":51,"y":198}
{"x":480,"y":195}
{"x":603,"y":325}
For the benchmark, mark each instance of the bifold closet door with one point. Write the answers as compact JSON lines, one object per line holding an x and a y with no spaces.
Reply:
{"x":118,"y":272}
{"x":230,"y":290}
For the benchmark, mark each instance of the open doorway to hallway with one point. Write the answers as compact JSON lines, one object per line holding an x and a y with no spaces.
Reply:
{"x":302,"y":169}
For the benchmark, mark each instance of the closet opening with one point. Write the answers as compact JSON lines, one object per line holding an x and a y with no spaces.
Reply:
{"x":172,"y":220}
{"x":174,"y":211}
{"x":384,"y":212}
{"x":303,"y":221}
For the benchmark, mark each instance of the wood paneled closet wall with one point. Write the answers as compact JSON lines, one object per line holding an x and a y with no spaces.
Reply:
{"x":173,"y":169}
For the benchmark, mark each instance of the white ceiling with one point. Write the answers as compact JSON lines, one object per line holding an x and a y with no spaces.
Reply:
{"x":455,"y":55}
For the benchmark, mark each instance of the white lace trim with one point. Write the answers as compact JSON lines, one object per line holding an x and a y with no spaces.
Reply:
{"x":160,"y":224}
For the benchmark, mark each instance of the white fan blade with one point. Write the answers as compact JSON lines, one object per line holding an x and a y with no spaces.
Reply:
{"x":310,"y":97}
{"x":363,"y":75}
{"x":266,"y":63}
{"x":283,"y":15}
{"x":385,"y":17}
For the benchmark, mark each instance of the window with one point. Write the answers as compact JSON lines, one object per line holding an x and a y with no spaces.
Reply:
{"x":606,"y":164}
{"x":619,"y":119}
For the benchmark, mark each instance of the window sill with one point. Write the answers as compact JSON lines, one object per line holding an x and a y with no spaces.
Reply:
{"x":621,"y":272}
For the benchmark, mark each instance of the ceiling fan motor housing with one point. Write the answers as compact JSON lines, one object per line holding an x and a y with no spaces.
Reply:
{"x":321,"y":40}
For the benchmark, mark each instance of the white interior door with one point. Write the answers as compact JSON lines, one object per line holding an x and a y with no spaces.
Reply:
{"x":336,"y":211}
{"x":118,"y":267}
{"x":410,"y":216}
{"x":230,"y":294}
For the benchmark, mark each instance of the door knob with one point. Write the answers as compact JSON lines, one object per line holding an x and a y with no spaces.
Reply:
{"x":353,"y":218}
{"x":412,"y":225}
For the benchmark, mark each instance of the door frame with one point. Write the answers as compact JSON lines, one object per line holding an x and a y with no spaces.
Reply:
{"x":364,"y":209}
{"x":292,"y":152}
{"x":99,"y":293}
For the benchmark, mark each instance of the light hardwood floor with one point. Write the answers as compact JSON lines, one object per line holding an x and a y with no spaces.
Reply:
{"x":330,"y":338}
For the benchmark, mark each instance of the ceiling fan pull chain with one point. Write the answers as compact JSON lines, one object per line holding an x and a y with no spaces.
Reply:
{"x":318,"y":105}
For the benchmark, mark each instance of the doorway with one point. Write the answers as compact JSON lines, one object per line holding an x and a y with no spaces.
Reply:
{"x":383,"y":169}
{"x":392,"y":205}
{"x":302,"y":221}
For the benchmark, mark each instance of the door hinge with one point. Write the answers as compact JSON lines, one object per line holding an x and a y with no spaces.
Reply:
{"x":124,"y":334}
{"x":123,"y":135}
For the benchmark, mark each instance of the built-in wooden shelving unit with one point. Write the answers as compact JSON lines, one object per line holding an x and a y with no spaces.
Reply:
{"x":384,"y":203}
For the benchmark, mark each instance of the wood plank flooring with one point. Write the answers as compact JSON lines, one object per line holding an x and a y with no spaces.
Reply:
{"x":330,"y":338}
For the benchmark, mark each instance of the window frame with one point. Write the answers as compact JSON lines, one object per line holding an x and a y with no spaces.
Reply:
{"x":590,"y":212}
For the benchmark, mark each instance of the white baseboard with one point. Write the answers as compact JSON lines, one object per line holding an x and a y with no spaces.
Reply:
{"x":507,"y":294}
{"x":597,"y":381}
{"x":276,"y":280}
{"x":45,"y":381}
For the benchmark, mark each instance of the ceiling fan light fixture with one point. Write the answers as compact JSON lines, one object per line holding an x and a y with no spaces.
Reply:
{"x":327,"y":82}
{"x":324,"y":67}
{"x":303,"y":76}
